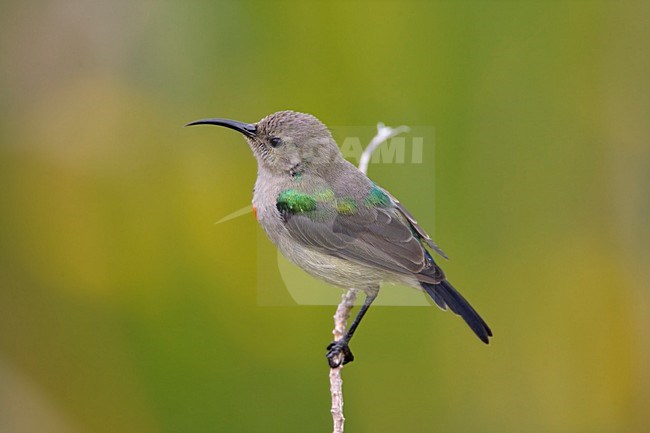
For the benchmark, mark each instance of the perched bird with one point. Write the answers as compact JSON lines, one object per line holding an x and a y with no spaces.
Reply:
{"x":328,"y":218}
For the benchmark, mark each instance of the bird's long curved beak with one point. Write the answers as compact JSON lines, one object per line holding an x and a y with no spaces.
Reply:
{"x":248,"y":129}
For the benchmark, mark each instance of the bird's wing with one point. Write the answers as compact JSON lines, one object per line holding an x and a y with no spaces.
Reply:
{"x":377,"y":235}
{"x":416,"y":227}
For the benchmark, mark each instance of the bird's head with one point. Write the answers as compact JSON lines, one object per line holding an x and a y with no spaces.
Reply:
{"x":286,"y":141}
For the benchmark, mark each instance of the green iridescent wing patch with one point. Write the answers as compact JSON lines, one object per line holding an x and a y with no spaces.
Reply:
{"x":377,"y":197}
{"x":293,"y":202}
{"x":346,"y":206}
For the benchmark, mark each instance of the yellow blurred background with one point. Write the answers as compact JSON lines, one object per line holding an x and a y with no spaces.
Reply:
{"x":124,"y":308}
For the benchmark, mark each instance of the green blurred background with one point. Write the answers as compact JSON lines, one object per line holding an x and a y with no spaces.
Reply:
{"x":123,"y":308}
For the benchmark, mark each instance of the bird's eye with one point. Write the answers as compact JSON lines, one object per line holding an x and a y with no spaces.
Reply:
{"x":275,"y":141}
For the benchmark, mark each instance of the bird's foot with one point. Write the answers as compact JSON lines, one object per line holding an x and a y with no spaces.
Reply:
{"x":338,"y":353}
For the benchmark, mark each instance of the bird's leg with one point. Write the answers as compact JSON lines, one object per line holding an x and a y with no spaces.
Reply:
{"x":340,"y":347}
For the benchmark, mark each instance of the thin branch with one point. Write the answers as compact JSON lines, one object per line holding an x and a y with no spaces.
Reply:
{"x":336,"y":382}
{"x":347,"y":301}
{"x":383,"y":133}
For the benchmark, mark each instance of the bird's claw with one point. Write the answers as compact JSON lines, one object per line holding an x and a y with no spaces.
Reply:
{"x":338,"y":353}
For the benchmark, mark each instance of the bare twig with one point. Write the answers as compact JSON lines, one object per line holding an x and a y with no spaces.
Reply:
{"x":383,"y":133}
{"x":336,"y":383}
{"x":347,"y":301}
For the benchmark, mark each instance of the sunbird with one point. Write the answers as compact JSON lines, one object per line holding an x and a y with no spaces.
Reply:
{"x":331,"y":220}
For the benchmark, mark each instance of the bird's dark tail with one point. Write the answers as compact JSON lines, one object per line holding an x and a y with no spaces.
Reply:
{"x":444,"y":295}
